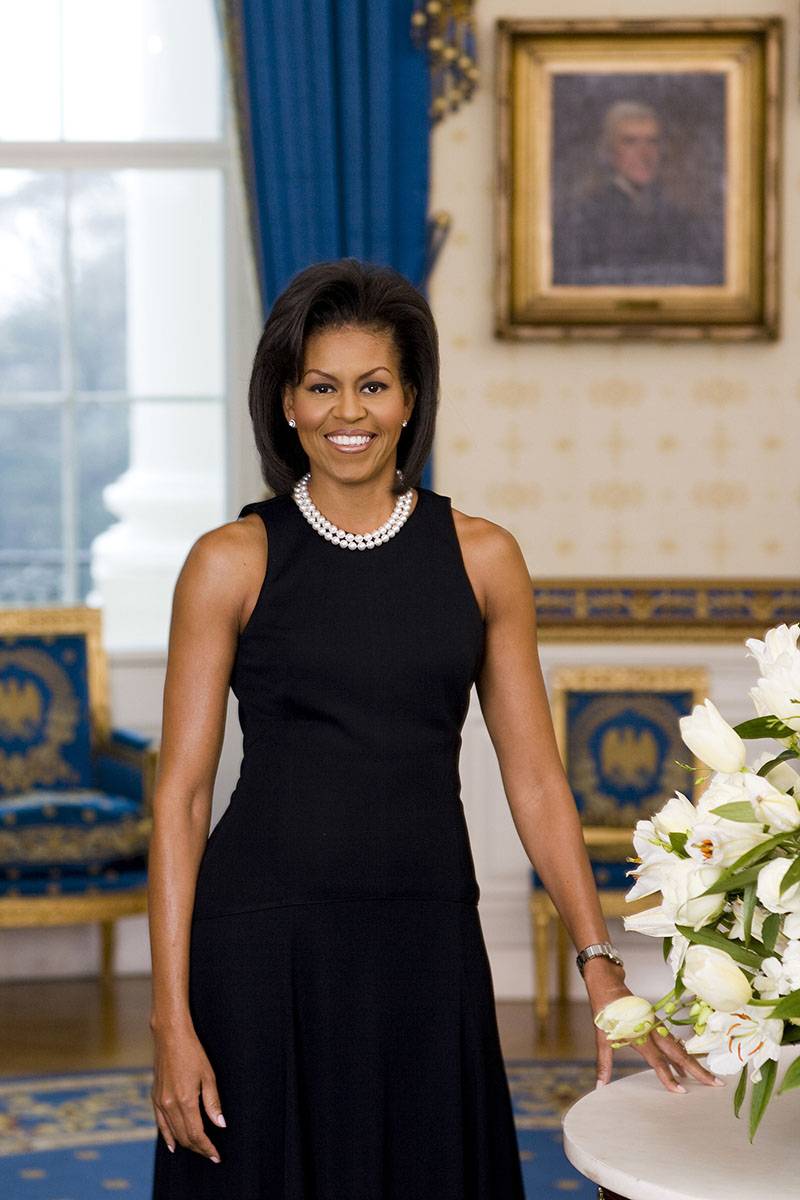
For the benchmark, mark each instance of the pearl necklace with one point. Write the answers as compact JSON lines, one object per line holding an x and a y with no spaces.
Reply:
{"x":340,"y":537}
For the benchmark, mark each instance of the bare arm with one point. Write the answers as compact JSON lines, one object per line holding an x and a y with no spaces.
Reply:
{"x":517,"y":713}
{"x":219,"y":573}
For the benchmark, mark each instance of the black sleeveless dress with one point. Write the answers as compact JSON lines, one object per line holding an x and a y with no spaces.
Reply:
{"x":338,"y":976}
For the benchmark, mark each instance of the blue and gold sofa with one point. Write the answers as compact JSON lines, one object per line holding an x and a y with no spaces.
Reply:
{"x":75,"y":793}
{"x":618,"y":734}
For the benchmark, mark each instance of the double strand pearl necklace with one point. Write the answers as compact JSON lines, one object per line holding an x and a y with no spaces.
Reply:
{"x":340,"y":537}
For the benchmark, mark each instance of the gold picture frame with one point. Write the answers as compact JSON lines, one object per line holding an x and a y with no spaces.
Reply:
{"x":638,"y":179}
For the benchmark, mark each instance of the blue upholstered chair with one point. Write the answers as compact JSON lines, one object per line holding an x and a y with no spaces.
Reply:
{"x":75,"y":793}
{"x":619,"y":739}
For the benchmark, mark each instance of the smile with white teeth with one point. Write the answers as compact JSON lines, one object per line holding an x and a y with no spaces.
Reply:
{"x":349,"y":441}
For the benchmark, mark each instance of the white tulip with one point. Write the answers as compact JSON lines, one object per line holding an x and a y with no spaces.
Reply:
{"x":773,"y":698}
{"x":731,"y":1039}
{"x":783,"y":777}
{"x":626,"y":1019}
{"x":768,"y":889}
{"x":714,"y":977}
{"x":712,"y":739}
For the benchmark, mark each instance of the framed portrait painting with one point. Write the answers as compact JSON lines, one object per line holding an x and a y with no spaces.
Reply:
{"x":638,"y":178}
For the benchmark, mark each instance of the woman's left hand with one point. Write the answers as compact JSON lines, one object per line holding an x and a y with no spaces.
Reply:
{"x":605,"y":981}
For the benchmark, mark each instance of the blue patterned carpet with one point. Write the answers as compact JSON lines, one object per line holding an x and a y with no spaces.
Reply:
{"x":81,"y":1136}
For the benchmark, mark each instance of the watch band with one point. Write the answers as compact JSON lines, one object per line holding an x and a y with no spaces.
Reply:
{"x":598,"y":949}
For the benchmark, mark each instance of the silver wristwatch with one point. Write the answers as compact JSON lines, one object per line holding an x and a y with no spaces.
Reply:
{"x":602,"y":949}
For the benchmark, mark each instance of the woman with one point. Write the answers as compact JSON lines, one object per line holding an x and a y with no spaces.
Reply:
{"x":323,"y":1012}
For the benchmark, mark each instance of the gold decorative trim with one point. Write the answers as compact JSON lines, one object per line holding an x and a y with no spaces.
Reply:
{"x":74,"y":844}
{"x":446,"y":30}
{"x":698,"y":609}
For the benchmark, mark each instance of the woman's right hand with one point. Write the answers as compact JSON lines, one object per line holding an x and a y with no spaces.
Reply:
{"x":184,"y":1078}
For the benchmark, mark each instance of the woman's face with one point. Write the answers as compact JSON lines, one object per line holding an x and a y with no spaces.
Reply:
{"x":350,"y":403}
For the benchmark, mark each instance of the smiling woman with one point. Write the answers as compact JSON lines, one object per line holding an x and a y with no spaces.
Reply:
{"x":332,"y":992}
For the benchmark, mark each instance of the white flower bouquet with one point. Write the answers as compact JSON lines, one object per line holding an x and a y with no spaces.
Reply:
{"x":728,"y":871}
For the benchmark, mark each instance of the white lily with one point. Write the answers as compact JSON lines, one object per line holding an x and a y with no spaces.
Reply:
{"x":780,"y":975}
{"x":778,"y":648}
{"x":681,"y":882}
{"x":732,"y":1040}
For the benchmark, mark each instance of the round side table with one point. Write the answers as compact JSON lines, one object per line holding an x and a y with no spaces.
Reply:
{"x":640,"y":1142}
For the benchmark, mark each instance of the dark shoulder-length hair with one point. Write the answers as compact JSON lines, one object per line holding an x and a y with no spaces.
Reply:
{"x":332,"y":295}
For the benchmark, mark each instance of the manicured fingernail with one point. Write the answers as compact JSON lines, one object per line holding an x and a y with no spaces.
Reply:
{"x":172,"y":1148}
{"x":719,"y":1082}
{"x":680,"y":1088}
{"x":214,"y":1158}
{"x":221,"y":1120}
{"x":600,"y":1083}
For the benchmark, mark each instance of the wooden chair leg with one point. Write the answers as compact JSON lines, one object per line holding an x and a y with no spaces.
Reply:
{"x":541,"y":950}
{"x":108,"y":940}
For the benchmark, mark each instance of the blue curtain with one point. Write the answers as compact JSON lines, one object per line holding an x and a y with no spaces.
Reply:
{"x":332,"y":101}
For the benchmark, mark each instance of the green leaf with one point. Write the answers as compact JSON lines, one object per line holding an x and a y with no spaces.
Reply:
{"x":760,"y":727}
{"x":741,"y":1088}
{"x":748,"y":908}
{"x":737,"y":810}
{"x":768,"y":766}
{"x":791,"y":1034}
{"x":709,"y":937}
{"x":791,"y":876}
{"x":760,"y":1094}
{"x":678,"y":842}
{"x":769,"y":931}
{"x":666,"y":947}
{"x":735,"y":883}
{"x":787,"y":1006}
{"x":753,"y":855}
{"x":792,"y":1077}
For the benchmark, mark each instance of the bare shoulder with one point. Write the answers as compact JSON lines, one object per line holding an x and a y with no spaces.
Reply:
{"x":224,"y":568}
{"x":492,"y":557}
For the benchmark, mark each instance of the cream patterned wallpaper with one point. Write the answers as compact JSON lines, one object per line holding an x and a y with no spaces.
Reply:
{"x":631,"y":458}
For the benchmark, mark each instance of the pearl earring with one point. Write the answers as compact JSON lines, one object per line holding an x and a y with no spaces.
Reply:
{"x":405,"y":422}
{"x":292,"y":422}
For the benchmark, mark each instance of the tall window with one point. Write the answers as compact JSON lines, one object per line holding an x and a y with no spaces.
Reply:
{"x":113,"y":182}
